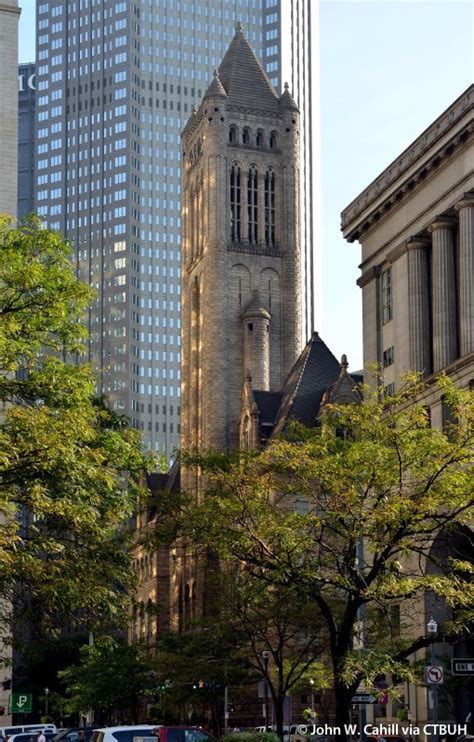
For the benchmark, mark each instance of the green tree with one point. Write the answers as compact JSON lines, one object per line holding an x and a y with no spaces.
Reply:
{"x":378,"y":494}
{"x":68,"y":465}
{"x":112,"y":678}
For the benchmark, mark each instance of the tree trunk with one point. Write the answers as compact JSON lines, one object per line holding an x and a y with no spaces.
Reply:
{"x":279,"y":702}
{"x":343,"y":696}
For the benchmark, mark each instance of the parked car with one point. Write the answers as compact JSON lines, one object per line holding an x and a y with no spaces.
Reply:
{"x":182,"y":734}
{"x":124,"y":733}
{"x":31,"y":736}
{"x":75,"y":734}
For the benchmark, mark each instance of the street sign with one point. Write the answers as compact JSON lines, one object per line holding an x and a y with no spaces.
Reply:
{"x":363,"y":698}
{"x":462,"y":666}
{"x":434,"y":674}
{"x":21,"y":703}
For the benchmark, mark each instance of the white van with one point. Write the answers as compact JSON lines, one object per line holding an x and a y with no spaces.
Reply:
{"x":19,"y":729}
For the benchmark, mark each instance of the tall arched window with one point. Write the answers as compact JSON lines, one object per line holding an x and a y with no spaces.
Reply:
{"x":273,"y":140}
{"x":270,"y":208}
{"x":252,"y":204}
{"x":246,"y":136}
{"x":235,"y":203}
{"x":260,"y":140}
{"x":233,"y":137}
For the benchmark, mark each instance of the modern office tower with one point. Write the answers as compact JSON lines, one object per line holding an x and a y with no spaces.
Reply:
{"x":116,"y":82}
{"x":26,"y":142}
{"x":291,"y":54}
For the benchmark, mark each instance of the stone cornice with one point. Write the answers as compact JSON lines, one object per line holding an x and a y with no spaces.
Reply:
{"x":369,"y":276}
{"x":359,"y":217}
{"x":260,"y":249}
{"x":10,"y":8}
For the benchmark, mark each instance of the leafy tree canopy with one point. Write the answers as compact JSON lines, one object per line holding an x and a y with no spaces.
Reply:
{"x":348,"y":522}
{"x":68,"y":464}
{"x":110,"y":678}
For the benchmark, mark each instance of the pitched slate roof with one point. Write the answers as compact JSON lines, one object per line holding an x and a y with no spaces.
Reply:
{"x":268,"y":404}
{"x":314,"y":371}
{"x":244,"y":78}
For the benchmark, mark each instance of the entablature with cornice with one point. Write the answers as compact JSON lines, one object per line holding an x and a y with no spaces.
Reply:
{"x":443,"y":140}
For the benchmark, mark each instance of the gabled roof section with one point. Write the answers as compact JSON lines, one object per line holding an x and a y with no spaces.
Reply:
{"x":244,"y":78}
{"x":304,"y":387}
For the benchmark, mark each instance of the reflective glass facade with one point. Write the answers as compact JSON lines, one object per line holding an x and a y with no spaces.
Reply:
{"x":116,"y":83}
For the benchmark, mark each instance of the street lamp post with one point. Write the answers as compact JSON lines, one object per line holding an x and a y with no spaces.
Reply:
{"x":266,"y":657}
{"x":46,"y":705}
{"x":432,"y":628}
{"x":311,"y":682}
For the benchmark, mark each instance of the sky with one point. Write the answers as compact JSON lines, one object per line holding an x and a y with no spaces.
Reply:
{"x":388,"y":69}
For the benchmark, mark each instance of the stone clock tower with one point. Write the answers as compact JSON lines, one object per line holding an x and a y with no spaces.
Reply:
{"x":240,"y":251}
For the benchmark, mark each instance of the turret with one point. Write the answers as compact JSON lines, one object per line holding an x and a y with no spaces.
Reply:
{"x":256,"y":332}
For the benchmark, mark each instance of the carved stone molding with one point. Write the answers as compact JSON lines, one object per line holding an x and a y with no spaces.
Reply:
{"x":402,"y":164}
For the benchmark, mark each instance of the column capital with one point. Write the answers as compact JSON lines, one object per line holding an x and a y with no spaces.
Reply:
{"x":467,"y":200}
{"x":443,"y":222}
{"x":418,"y":243}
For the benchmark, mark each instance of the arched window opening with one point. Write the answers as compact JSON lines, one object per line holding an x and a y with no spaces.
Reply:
{"x":270,"y":208}
{"x":235,"y":202}
{"x":273,"y":140}
{"x":233,"y":135}
{"x":246,"y":434}
{"x":260,"y":138}
{"x":246,"y":136}
{"x":252,"y":205}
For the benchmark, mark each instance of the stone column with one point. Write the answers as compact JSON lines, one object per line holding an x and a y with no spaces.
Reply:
{"x":443,"y":274}
{"x":419,"y":305}
{"x":466,"y":273}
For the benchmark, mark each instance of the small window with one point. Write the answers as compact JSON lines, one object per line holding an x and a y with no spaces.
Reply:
{"x":389,"y":390}
{"x":250,"y":326}
{"x":388,"y":357}
{"x":246,"y":136}
{"x":387,"y":298}
{"x":273,"y":140}
{"x":233,"y":135}
{"x":260,"y":138}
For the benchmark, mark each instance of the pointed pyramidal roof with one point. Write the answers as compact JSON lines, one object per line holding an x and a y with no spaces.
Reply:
{"x":244,"y":78}
{"x":215,"y":89}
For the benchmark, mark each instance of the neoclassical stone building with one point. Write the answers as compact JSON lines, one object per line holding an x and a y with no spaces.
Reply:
{"x":415,"y":224}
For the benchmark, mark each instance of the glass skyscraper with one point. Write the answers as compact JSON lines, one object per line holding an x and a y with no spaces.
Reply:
{"x":26,"y":139}
{"x":116,"y":83}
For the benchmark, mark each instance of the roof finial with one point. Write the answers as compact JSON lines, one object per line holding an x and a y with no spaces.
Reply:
{"x":239,"y":27}
{"x":344,"y":362}
{"x":216,"y":73}
{"x":286,"y":86}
